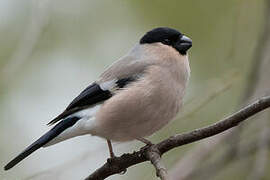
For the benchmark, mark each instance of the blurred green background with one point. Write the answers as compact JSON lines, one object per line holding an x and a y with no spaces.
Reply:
{"x":51,"y":50}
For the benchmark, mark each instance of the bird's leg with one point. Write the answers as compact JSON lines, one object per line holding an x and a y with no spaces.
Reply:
{"x":145,"y":141}
{"x":110,"y":148}
{"x":110,"y":160}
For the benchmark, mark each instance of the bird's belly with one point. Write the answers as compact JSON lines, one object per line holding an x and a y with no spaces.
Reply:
{"x":136,"y":122}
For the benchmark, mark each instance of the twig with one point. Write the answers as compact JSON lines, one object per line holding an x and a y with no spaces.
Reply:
{"x":154,"y":156}
{"x":119,"y":164}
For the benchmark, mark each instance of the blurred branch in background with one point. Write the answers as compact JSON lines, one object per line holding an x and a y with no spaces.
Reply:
{"x":262,"y":82}
{"x":120,"y":164}
{"x":261,"y":157}
{"x":226,"y":158}
{"x":196,"y":104}
{"x":186,"y":166}
{"x":39,"y":19}
{"x":258,"y":85}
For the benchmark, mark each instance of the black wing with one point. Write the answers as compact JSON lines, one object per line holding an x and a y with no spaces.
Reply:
{"x":93,"y":94}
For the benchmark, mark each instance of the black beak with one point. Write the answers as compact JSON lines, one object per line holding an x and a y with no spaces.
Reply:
{"x":184,"y":43}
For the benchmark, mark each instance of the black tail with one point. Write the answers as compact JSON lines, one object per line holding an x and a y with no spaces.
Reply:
{"x":55,"y":131}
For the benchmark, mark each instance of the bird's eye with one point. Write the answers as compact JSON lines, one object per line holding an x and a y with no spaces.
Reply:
{"x":166,"y":41}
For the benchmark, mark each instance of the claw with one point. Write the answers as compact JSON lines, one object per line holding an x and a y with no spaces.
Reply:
{"x":111,"y":160}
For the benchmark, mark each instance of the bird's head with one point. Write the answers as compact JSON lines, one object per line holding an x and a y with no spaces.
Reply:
{"x":168,"y":37}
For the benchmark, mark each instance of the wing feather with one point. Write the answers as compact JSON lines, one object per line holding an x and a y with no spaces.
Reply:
{"x":92,"y":95}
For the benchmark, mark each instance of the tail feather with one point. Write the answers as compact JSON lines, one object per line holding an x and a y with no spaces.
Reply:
{"x":55,"y":131}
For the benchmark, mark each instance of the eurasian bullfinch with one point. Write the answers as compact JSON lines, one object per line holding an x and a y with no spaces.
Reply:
{"x":133,"y":98}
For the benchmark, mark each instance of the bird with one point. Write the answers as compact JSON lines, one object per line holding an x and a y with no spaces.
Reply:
{"x":132,"y":99}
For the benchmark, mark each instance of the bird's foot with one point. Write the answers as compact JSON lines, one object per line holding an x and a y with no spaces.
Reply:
{"x":113,"y":160}
{"x":145,"y":141}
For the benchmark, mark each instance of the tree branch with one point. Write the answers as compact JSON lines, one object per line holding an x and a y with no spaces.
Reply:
{"x":154,"y":156}
{"x":120,"y":164}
